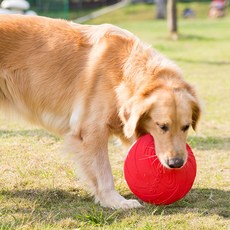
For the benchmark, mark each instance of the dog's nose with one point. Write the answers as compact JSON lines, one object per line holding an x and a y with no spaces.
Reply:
{"x":175,"y":162}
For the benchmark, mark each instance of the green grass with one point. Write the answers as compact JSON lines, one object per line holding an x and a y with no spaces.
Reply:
{"x":38,"y":189}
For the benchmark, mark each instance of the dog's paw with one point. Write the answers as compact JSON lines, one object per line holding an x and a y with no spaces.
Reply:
{"x":121,"y":204}
{"x":114,"y":200}
{"x":127,"y":204}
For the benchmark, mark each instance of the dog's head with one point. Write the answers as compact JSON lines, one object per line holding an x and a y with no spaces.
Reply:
{"x":166,"y":111}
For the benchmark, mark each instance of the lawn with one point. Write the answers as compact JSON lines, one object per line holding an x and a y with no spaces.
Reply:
{"x":38,"y":189}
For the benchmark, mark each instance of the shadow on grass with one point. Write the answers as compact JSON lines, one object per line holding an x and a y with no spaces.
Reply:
{"x":219,"y":63}
{"x":47,"y":197}
{"x":46,"y":206}
{"x":55,"y":205}
{"x":209,"y":143}
{"x":198,"y":201}
{"x":192,"y":37}
{"x":204,"y":201}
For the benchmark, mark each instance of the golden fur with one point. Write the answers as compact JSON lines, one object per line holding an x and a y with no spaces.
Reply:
{"x":86,"y":83}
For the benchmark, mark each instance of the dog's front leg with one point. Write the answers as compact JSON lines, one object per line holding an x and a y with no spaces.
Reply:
{"x":93,"y":168}
{"x":106,"y":194}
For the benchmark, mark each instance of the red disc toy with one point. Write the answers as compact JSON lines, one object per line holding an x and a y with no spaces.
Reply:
{"x":150,"y":181}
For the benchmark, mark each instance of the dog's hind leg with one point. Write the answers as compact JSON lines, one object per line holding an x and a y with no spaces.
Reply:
{"x":92,"y":165}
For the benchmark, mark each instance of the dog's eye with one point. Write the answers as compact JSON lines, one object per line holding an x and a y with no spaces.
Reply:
{"x":185,"y":128}
{"x":163,"y":127}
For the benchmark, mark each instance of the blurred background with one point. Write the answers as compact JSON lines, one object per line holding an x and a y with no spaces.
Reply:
{"x":72,"y":9}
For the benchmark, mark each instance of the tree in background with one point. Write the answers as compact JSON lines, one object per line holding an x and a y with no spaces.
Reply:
{"x":171,"y":15}
{"x":161,"y":9}
{"x":172,"y":19}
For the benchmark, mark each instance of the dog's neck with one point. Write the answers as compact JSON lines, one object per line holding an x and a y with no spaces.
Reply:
{"x":144,"y":71}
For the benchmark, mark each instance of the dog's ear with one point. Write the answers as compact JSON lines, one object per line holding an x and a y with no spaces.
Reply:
{"x":196,"y":112}
{"x":195,"y":104}
{"x":131,"y":112}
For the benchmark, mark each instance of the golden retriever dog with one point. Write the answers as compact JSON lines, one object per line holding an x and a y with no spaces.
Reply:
{"x":86,"y":83}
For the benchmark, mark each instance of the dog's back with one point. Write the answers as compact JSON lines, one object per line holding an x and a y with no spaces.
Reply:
{"x":40,"y":63}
